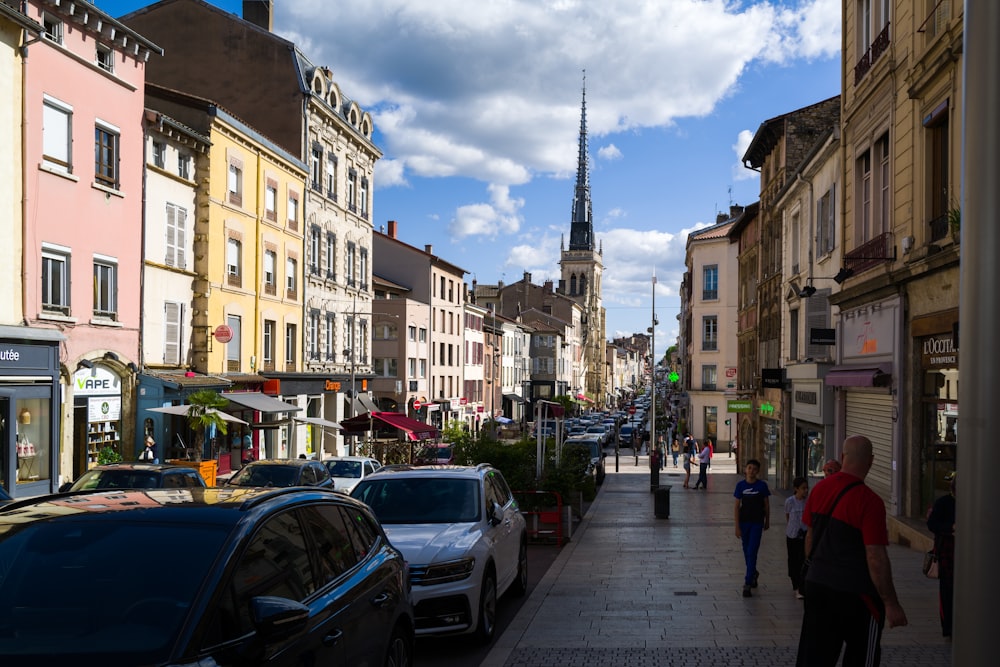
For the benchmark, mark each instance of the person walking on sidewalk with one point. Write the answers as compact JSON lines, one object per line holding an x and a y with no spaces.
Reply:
{"x":703,"y":458}
{"x":687,"y":466}
{"x":752,"y":516}
{"x":941,"y":522}
{"x":795,"y":533}
{"x":849,"y":591}
{"x":675,"y":450}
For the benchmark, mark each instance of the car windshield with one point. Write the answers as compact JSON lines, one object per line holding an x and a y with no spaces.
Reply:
{"x":64,"y":599}
{"x":117,"y":479}
{"x":421,"y":499}
{"x":266,"y":475}
{"x":344,"y":468}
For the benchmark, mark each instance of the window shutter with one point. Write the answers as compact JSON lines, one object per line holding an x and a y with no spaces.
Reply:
{"x":818,"y":317}
{"x":171,"y":255}
{"x":172,"y":313}
{"x":180,"y":240}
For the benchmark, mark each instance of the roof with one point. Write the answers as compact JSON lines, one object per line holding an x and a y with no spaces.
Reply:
{"x":182,"y":379}
{"x":20,"y":19}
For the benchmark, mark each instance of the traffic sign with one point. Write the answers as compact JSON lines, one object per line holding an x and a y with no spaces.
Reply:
{"x":223,"y":333}
{"x":631,"y":409}
{"x":417,"y":404}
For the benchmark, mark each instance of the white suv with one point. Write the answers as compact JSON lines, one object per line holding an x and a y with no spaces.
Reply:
{"x":463,"y":536}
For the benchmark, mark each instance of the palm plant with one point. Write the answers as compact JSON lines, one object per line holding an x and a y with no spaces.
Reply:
{"x":204,"y":414}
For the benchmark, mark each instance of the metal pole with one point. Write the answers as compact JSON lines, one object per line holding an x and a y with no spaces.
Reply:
{"x":652,"y":372}
{"x":976,"y":577}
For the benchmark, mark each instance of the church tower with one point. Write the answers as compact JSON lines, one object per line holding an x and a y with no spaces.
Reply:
{"x":581,"y":269}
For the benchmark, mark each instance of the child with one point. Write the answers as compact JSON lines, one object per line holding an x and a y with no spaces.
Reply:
{"x":795,"y":533}
{"x":751,"y":515}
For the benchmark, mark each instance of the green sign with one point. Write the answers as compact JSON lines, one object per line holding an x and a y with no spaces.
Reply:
{"x":739,"y":406}
{"x":674,"y":376}
{"x":766,"y":409}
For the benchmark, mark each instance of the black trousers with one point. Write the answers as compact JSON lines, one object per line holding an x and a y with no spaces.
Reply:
{"x":835,"y":620}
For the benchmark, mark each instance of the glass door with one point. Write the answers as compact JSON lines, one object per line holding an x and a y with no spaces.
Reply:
{"x":6,"y":441}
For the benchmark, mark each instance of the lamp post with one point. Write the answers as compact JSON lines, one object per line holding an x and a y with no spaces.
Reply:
{"x":350,"y":394}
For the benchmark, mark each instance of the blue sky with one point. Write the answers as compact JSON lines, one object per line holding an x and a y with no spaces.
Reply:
{"x":477,"y":113}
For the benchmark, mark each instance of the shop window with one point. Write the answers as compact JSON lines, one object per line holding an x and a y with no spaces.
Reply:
{"x":34,"y":440}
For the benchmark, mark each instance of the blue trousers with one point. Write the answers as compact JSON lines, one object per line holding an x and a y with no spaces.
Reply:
{"x":751,"y":535}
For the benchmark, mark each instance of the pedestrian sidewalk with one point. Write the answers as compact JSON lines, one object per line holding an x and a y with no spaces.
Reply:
{"x":631,"y":589}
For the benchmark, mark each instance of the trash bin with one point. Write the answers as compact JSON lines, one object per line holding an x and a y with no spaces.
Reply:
{"x":661,"y":502}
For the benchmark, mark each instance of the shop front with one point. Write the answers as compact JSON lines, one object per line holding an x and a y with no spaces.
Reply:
{"x":30,"y":408}
{"x":812,"y":416}
{"x":936,"y":338}
{"x":159,"y":388}
{"x":97,"y":416}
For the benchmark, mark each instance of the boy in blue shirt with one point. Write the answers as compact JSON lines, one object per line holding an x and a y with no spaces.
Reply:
{"x":752,"y":516}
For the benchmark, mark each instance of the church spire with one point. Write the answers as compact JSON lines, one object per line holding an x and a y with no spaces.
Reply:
{"x":581,"y":236}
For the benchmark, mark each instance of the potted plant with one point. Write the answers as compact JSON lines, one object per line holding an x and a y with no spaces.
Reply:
{"x":108,"y":454}
{"x":955,"y":222}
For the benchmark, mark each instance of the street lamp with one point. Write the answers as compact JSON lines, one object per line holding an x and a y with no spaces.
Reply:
{"x":350,"y":393}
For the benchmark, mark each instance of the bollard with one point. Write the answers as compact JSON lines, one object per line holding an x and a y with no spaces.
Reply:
{"x":654,"y":471}
{"x":661,"y":502}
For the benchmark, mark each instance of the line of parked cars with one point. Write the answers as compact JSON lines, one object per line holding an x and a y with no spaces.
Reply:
{"x":142,"y":564}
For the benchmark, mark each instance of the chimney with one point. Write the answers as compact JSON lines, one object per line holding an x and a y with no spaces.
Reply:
{"x":734,"y":211}
{"x":548,"y":286}
{"x":720,"y":218}
{"x":527,"y":278}
{"x":260,"y":13}
{"x":429,"y":249}
{"x":392,"y":229}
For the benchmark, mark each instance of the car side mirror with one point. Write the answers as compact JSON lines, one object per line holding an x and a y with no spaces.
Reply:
{"x":496,"y":514}
{"x":277,"y":618}
{"x":65,"y":486}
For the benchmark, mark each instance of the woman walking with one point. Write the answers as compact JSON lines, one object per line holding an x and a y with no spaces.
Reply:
{"x":687,"y":467}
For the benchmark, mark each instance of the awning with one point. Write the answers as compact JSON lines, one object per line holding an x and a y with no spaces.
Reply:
{"x":316,"y":421}
{"x":514,"y":397}
{"x":581,"y":397}
{"x":185,"y":410}
{"x":875,"y":375}
{"x":260,"y":402}
{"x":365,"y":401}
{"x":415,"y":430}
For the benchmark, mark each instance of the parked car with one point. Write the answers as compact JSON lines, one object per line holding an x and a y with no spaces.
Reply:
{"x":219,"y":576}
{"x":347,"y":471}
{"x":463,"y":536}
{"x":283,"y":472}
{"x":439,"y":454}
{"x":597,"y":455}
{"x":136,"y":476}
{"x":600,"y":432}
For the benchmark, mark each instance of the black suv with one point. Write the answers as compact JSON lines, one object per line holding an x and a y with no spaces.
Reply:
{"x":136,"y":476}
{"x":228,"y":576}
{"x":283,"y":472}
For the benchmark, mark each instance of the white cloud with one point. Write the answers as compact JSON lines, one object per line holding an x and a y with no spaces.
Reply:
{"x":500,"y":216}
{"x":609,"y":152}
{"x":444,"y":105}
{"x":389,"y":173}
{"x":740,"y":172}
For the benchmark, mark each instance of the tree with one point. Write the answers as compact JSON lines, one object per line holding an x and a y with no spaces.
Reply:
{"x":204,"y":414}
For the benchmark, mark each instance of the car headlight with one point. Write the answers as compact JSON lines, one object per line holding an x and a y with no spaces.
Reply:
{"x":443,"y":573}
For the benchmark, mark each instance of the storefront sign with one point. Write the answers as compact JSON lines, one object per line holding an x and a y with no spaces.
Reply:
{"x":331,"y":385}
{"x":739,"y":406}
{"x":939,"y":351}
{"x":96,"y":381}
{"x":24,"y":357}
{"x":104,"y":409}
{"x":807,"y":397}
{"x":772,"y":377}
{"x":822,"y":336}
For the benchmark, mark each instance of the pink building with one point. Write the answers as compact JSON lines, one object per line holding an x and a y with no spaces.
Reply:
{"x":83,"y":143}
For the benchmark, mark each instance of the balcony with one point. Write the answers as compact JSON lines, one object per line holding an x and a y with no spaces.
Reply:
{"x":871,"y":253}
{"x":938,"y":228}
{"x":874,"y":52}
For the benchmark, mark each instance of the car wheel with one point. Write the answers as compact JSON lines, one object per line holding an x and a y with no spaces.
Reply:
{"x":520,"y":585}
{"x":487,"y":608}
{"x":399,"y":652}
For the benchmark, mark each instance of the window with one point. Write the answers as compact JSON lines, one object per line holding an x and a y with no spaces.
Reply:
{"x":826,"y":225}
{"x":331,"y":176}
{"x":293,"y":211}
{"x":316,"y":169}
{"x":352,"y":178}
{"x":937,"y":126}
{"x":349,"y":272}
{"x":314,"y":252}
{"x":387,"y":367}
{"x":57,"y":135}
{"x":105,"y":58}
{"x":176,"y":240}
{"x":270,"y":269}
{"x":708,"y":378}
{"x":710,"y":333}
{"x":235,"y":182}
{"x":363,"y":196}
{"x":234,"y":262}
{"x":365,"y":337}
{"x":55,"y":279}
{"x":796,"y":252}
{"x":873,"y":191}
{"x":364,"y":268}
{"x":53,"y":28}
{"x":291,"y":278}
{"x":105,"y":287}
{"x":184,"y":166}
{"x":386,"y":331}
{"x":312,"y":334}
{"x":793,"y":334}
{"x":411,"y":367}
{"x":106,"y":155}
{"x":328,"y":352}
{"x":422,"y":335}
{"x":423,"y":368}
{"x":160,"y":154}
{"x":267,"y":353}
{"x":290,"y":346}
{"x":411,"y":333}
{"x":233,"y":347}
{"x":271,"y":200}
{"x":349,"y":335}
{"x":710,"y":290}
{"x":331,"y":255}
{"x":711,"y":431}
{"x":173,"y":328}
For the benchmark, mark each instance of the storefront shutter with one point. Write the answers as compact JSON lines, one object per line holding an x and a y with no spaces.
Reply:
{"x":870,"y":415}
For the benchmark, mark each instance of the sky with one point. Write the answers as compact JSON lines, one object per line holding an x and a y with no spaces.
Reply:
{"x":477,"y":107}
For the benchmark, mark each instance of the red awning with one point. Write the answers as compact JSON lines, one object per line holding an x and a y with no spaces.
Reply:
{"x":875,"y":375}
{"x":581,"y":397}
{"x":415,"y":430}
